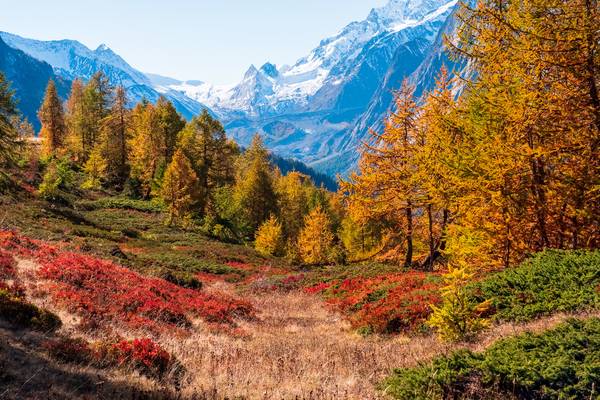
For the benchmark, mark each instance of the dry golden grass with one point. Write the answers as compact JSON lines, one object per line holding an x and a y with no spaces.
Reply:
{"x":298,"y":349}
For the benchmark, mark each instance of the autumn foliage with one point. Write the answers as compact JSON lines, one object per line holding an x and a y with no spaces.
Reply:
{"x":316,"y":238}
{"x":102,"y":292}
{"x":269,"y":238}
{"x":143,"y":355}
{"x":388,"y":303}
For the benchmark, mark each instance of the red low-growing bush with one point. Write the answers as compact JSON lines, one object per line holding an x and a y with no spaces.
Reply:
{"x":289,"y":283}
{"x":7,"y":265}
{"x":101,"y":291}
{"x":15,"y":244}
{"x":70,"y":350}
{"x":389,"y":303}
{"x":143,"y":355}
{"x":9,"y":282}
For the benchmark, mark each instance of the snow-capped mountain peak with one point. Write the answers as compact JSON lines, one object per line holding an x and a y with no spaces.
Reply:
{"x":291,"y":88}
{"x":316,"y":110}
{"x":316,"y":101}
{"x":397,"y":11}
{"x":102,"y":47}
{"x":251,"y":72}
{"x":269,"y":70}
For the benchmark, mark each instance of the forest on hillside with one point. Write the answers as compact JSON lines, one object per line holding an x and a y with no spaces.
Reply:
{"x":474,"y":212}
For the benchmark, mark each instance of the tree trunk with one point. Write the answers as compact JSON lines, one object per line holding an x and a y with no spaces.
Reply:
{"x":539,"y":192}
{"x":409,"y":238}
{"x":431,"y":258}
{"x":591,"y":67}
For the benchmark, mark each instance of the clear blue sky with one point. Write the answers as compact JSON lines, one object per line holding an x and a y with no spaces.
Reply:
{"x":210,"y":40}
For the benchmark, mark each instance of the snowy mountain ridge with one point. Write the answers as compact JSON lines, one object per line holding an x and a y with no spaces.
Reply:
{"x":71,"y":59}
{"x":290,"y":88}
{"x":319,"y":109}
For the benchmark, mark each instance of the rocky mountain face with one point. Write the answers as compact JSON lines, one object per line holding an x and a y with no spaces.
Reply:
{"x":423,"y":77}
{"x":70,"y":59}
{"x":319,"y":109}
{"x":29,"y":77}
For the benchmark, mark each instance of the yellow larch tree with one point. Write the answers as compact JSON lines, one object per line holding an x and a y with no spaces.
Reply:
{"x":384,"y":187}
{"x":315,"y":242}
{"x":179,"y":189}
{"x":51,"y":115}
{"x":269,"y":238}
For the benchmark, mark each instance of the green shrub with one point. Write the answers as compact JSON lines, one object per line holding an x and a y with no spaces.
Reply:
{"x":185,"y":263}
{"x":549,"y":282}
{"x":96,"y":233}
{"x":120,"y":202}
{"x":562,"y":363}
{"x":183,"y":279}
{"x":19,"y":312}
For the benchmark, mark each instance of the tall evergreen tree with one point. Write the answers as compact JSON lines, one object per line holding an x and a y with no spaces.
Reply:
{"x":51,"y":115}
{"x":171,"y":123}
{"x":9,"y":140}
{"x":212,"y":155}
{"x":116,"y":130}
{"x":254,"y":191}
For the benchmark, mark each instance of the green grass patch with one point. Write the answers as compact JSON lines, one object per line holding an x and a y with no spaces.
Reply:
{"x":562,"y":363}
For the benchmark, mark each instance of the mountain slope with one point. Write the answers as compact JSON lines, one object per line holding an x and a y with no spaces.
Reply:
{"x":29,"y":77}
{"x":70,"y":59}
{"x":423,"y":78}
{"x":309,"y":111}
{"x":318,"y":110}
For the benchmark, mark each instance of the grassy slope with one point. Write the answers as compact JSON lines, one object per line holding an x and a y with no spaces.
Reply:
{"x":305,"y":349}
{"x":130,"y":233}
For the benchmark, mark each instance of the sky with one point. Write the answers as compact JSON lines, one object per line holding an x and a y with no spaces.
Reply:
{"x":213,"y":41}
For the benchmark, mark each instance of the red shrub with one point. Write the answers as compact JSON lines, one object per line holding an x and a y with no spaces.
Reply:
{"x":240,"y":266}
{"x":25,"y":247}
{"x":143,"y":355}
{"x":318,"y":288}
{"x":69,"y":350}
{"x":100,"y":291}
{"x":7,"y":265}
{"x":387,"y":303}
{"x":9,"y":281}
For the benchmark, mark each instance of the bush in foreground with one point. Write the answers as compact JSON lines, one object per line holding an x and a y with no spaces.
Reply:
{"x":388,"y":303}
{"x":561,"y":363}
